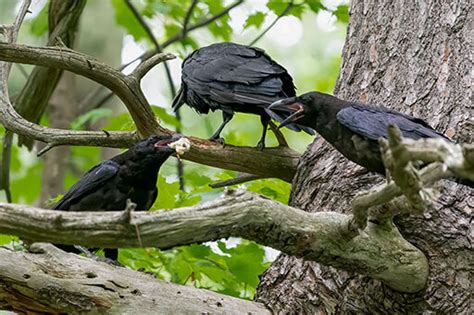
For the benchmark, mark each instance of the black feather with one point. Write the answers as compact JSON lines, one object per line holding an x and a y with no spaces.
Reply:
{"x":233,"y":78}
{"x":130,"y":175}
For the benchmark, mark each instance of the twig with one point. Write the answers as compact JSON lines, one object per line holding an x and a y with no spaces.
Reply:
{"x":189,"y":13}
{"x":287,"y":9}
{"x":148,"y":64}
{"x":242,"y":178}
{"x":170,"y":41}
{"x":5,"y":164}
{"x":12,"y":32}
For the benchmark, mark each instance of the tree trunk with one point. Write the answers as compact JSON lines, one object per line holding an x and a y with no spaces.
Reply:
{"x":412,"y":56}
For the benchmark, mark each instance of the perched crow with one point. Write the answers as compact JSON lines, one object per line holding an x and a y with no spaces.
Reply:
{"x":352,"y":128}
{"x":130,"y":175}
{"x":234,"y":78}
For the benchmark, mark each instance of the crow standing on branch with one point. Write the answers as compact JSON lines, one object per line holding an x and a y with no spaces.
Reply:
{"x":352,"y":128}
{"x":234,"y":78}
{"x":130,"y":175}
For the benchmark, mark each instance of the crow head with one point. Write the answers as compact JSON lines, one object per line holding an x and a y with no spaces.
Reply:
{"x":156,"y":147}
{"x":305,"y":110}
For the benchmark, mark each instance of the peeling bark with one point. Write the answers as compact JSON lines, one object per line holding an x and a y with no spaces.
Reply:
{"x":413,"y":57}
{"x":48,"y":280}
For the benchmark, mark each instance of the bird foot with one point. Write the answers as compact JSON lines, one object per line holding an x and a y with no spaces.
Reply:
{"x":219,"y":140}
{"x":261,"y":145}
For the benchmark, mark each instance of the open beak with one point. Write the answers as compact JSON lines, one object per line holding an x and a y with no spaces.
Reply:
{"x":291,"y":106}
{"x":164,"y":143}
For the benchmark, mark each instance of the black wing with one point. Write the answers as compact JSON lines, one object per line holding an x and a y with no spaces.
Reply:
{"x":92,"y":180}
{"x":231,"y":74}
{"x":372,"y":123}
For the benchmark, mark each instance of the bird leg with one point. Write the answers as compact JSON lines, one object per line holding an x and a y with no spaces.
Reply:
{"x":226,"y":116}
{"x":264,"y":119}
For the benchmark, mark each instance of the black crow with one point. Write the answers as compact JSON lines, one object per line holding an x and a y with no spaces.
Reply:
{"x":352,"y":128}
{"x":234,"y":78}
{"x":130,"y":175}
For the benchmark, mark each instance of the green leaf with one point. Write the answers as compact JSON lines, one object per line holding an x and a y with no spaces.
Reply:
{"x":121,"y":122}
{"x":124,"y":17}
{"x":342,"y":13}
{"x":255,"y":19}
{"x":315,"y":5}
{"x":275,"y":189}
{"x":167,"y":193}
{"x":91,"y":116}
{"x":7,"y":239}
{"x":164,"y":116}
{"x":277,"y":6}
{"x":39,"y":25}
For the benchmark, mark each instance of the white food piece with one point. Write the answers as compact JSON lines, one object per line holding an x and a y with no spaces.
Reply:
{"x":181,"y":146}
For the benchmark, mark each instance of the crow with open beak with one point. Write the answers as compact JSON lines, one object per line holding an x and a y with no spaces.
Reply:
{"x":130,"y":175}
{"x":352,"y":128}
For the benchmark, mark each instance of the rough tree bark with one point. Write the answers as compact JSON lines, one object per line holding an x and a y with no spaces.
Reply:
{"x":412,"y":56}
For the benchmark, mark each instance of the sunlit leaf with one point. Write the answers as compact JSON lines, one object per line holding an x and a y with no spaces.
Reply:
{"x":164,"y":116}
{"x":39,"y":25}
{"x":342,"y":13}
{"x":124,"y":17}
{"x":315,"y":5}
{"x":255,"y":19}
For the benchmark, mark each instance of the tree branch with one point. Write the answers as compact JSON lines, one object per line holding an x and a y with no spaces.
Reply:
{"x":399,"y":153}
{"x":271,"y":162}
{"x":380,"y":252}
{"x":127,"y":88}
{"x":48,"y":280}
{"x":63,"y":20}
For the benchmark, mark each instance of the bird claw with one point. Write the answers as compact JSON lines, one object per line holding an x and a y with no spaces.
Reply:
{"x":260,"y":145}
{"x":219,"y":140}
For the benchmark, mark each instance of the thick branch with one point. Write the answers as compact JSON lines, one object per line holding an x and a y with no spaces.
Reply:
{"x":48,"y":280}
{"x":380,"y":252}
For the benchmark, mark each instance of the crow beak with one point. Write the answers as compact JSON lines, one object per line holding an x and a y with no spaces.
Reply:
{"x":288,"y":105}
{"x":165,"y":142}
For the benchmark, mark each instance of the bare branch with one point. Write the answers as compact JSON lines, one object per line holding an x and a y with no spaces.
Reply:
{"x":380,"y":252}
{"x":242,"y":178}
{"x":143,"y":68}
{"x":126,"y":88}
{"x":189,"y":13}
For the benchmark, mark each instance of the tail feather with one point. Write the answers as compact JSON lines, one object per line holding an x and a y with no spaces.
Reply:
{"x":178,"y":101}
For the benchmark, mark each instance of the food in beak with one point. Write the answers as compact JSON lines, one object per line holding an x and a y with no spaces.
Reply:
{"x":181,"y":146}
